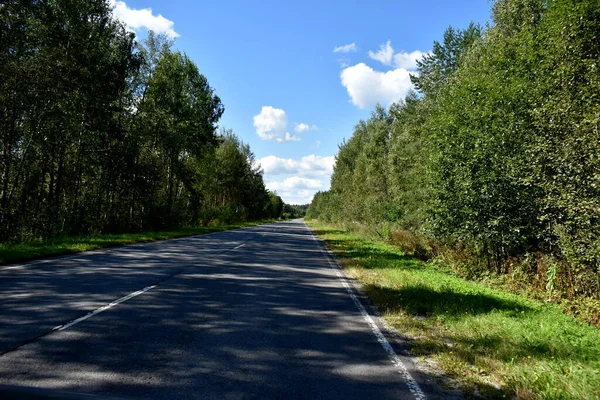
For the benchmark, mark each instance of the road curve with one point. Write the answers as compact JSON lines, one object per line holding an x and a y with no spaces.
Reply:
{"x":259,"y":312}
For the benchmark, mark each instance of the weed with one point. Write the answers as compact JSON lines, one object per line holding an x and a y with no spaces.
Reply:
{"x":493,"y":343}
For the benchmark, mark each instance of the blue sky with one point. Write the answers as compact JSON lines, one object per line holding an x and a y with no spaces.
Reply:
{"x":295,"y":77}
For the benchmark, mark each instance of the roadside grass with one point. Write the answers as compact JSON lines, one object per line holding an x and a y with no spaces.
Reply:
{"x":492,"y":343}
{"x":26,"y":251}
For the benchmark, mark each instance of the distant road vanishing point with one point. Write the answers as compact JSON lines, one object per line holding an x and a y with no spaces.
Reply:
{"x":261,"y":312}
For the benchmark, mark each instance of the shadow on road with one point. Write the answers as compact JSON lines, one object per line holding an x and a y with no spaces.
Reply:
{"x":267,"y":320}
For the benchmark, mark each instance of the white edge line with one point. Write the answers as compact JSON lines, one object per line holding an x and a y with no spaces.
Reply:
{"x":412,"y":384}
{"x":103,"y":308}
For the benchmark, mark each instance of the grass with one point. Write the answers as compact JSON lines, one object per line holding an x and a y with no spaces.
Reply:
{"x":19,"y":252}
{"x":492,"y":343}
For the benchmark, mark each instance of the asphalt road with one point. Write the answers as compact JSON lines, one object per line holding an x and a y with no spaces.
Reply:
{"x":260,"y":312}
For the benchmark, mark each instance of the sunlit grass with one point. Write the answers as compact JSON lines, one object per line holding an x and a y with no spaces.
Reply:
{"x":17,"y":252}
{"x":491,"y":342}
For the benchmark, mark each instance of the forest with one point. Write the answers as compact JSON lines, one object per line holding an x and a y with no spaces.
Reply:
{"x":105,"y":134}
{"x":492,"y":164}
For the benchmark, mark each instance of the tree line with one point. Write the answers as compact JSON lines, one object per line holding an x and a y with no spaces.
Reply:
{"x":495,"y":159}
{"x":101,"y":133}
{"x":291,"y":211}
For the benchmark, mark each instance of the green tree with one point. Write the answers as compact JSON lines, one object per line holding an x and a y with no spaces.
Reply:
{"x":179,"y":112}
{"x":69,"y":60}
{"x":436,"y":68}
{"x":275,"y":206}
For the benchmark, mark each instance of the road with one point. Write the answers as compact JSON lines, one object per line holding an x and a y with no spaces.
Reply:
{"x":260,"y":312}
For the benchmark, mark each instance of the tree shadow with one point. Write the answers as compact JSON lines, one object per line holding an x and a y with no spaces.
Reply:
{"x":421,"y":300}
{"x":269,"y":319}
{"x":373,"y":258}
{"x":424,"y":304}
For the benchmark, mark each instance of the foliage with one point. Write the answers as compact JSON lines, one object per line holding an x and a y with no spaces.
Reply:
{"x":291,"y":211}
{"x":496,"y":158}
{"x":100,"y":133}
{"x":436,"y":68}
{"x":495,"y":344}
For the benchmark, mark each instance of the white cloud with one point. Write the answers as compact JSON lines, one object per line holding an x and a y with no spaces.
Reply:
{"x":347,"y":48}
{"x":308,"y":166}
{"x":288,"y":138}
{"x":296,"y":190}
{"x":384,"y":55}
{"x":344,"y":62}
{"x":368,"y":87}
{"x":142,"y":18}
{"x":271,"y":124}
{"x":302,"y":127}
{"x":297,"y":180}
{"x":408,"y":60}
{"x":403,"y":59}
{"x":296,"y":196}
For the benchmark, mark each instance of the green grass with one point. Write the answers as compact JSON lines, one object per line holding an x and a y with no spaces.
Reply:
{"x":492,"y":343}
{"x":19,"y":252}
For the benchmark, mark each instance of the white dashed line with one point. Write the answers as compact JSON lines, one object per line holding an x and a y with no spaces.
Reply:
{"x":103,"y":308}
{"x":114,"y":303}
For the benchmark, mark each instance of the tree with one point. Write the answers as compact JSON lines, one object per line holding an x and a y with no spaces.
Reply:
{"x":275,"y":205}
{"x":69,"y":60}
{"x":179,"y":112}
{"x":102,"y":134}
{"x":436,"y":68}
